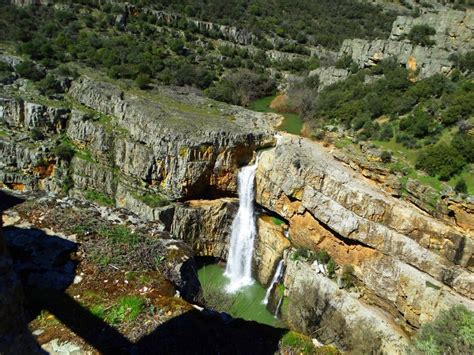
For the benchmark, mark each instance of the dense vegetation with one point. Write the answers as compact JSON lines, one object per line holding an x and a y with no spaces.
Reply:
{"x":432,"y":116}
{"x":323,"y":22}
{"x":452,"y":332}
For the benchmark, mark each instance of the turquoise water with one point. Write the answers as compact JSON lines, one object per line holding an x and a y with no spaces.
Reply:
{"x":246,"y":304}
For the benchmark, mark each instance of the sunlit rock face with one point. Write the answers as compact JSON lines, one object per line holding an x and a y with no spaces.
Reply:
{"x":408,"y":264}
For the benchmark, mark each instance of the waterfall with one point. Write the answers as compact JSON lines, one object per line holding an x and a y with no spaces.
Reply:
{"x":277,"y":309}
{"x":276,"y":278}
{"x":239,"y":262}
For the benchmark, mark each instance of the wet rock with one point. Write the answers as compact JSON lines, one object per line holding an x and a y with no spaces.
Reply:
{"x":205,"y":225}
{"x":269,"y":248}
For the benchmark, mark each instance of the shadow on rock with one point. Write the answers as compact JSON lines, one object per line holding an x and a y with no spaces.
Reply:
{"x":205,"y":332}
{"x":46,"y":268}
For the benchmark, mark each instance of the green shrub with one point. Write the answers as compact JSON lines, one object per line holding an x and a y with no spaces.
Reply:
{"x":331,"y":267}
{"x":386,"y":157}
{"x":28,"y":70}
{"x":49,"y":85}
{"x":64,"y":151}
{"x":142,"y":81}
{"x":461,"y":187}
{"x":322,"y":256}
{"x":442,"y":160}
{"x":451,"y":332}
{"x":296,"y":343}
{"x":37,"y":134}
{"x":348,"y":278}
{"x":464,"y":144}
{"x":420,"y":35}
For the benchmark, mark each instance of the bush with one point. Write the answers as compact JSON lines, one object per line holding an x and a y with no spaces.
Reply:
{"x":452,"y":332}
{"x":322,"y":256}
{"x":242,"y":87}
{"x":36,"y":134}
{"x":441,"y":159}
{"x":386,"y":157}
{"x":28,"y":70}
{"x":49,"y":85}
{"x":461,"y":187}
{"x":64,"y":152}
{"x":464,"y":144}
{"x":420,"y":35}
{"x":142,"y":81}
{"x":348,"y":278}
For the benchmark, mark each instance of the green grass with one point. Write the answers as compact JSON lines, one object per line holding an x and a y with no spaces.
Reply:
{"x":292,"y":122}
{"x":277,"y":221}
{"x":468,"y":177}
{"x":127,"y":309}
{"x":3,"y":133}
{"x":84,"y":154}
{"x":98,"y":197}
{"x":153,"y":200}
{"x":119,"y":234}
{"x":299,"y":343}
{"x":263,"y":104}
{"x":342,"y":143}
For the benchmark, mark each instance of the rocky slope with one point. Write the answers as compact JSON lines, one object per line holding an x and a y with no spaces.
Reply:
{"x":408,"y":264}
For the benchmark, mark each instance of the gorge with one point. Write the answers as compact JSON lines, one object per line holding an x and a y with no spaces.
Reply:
{"x":177,"y":185}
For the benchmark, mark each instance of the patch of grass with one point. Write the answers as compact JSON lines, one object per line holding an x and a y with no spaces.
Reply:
{"x":297,"y":343}
{"x":98,"y":197}
{"x":432,"y":285}
{"x":119,"y":235}
{"x":153,"y":200}
{"x":263,"y":104}
{"x":127,"y":309}
{"x":277,"y":221}
{"x":98,"y":310}
{"x":468,"y":176}
{"x":84,"y":154}
{"x":342,"y":143}
{"x":3,"y":133}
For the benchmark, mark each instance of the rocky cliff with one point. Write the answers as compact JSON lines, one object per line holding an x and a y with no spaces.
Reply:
{"x":453,"y":33}
{"x":409,"y":264}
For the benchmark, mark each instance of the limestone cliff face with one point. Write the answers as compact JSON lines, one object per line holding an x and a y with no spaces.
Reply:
{"x":179,"y":152}
{"x":410,"y":264}
{"x":314,"y":304}
{"x":454,"y":32}
{"x":205,"y":225}
{"x":269,"y":248}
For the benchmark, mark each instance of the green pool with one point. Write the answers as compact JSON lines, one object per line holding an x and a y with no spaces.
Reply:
{"x":292,"y":123}
{"x":246,"y":304}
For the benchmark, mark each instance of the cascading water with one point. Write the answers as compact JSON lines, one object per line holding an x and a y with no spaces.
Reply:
{"x":276,"y":278}
{"x":239,"y":262}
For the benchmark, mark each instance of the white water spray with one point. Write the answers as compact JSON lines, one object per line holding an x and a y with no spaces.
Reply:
{"x":276,"y":278}
{"x":239,"y":262}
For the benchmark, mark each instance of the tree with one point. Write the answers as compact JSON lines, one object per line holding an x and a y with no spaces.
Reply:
{"x":464,"y":144}
{"x":386,"y":157}
{"x":451,"y":332}
{"x":442,"y":159}
{"x":420,"y":34}
{"x":461,"y":186}
{"x":28,"y":70}
{"x":142,"y":81}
